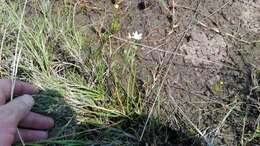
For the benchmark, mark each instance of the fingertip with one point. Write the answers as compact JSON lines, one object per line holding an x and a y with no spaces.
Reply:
{"x":48,"y":122}
{"x":19,"y":89}
{"x":36,"y":121}
{"x":26,"y":99}
{"x":31,"y":135}
{"x":51,"y":121}
{"x":41,"y":135}
{"x":20,"y":107}
{"x":26,"y":88}
{"x":34,"y":89}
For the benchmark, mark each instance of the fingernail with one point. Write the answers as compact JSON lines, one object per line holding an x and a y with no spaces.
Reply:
{"x":51,"y":122}
{"x":35,"y":89}
{"x":27,"y":99}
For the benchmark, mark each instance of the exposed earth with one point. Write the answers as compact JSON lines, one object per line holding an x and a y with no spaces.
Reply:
{"x":203,"y":53}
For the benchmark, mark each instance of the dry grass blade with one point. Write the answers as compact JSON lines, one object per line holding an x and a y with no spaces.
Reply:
{"x":190,"y":122}
{"x":221,"y":124}
{"x":17,"y":60}
{"x":2,"y":45}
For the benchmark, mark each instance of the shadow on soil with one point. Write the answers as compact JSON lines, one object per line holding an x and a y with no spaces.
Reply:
{"x":126,"y":131}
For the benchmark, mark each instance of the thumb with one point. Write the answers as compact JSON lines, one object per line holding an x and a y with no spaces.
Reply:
{"x":18,"y":108}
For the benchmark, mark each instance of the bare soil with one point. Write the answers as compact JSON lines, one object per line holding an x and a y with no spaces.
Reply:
{"x":204,"y":53}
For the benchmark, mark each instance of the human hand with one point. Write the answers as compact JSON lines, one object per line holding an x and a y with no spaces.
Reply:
{"x":17,"y":114}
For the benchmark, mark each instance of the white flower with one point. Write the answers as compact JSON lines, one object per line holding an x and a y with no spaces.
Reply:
{"x":135,"y":36}
{"x":116,"y":6}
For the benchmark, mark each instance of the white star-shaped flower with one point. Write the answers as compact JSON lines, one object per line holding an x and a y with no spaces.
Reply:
{"x":135,"y":36}
{"x":116,"y":6}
